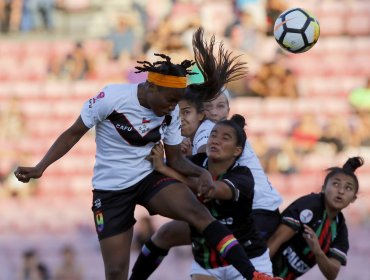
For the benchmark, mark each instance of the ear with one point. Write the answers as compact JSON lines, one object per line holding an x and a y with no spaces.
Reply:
{"x":354,"y":198}
{"x":238,"y":151}
{"x":323,"y":189}
{"x":201,"y":116}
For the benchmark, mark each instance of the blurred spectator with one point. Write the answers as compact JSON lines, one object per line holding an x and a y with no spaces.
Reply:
{"x":12,"y":121}
{"x":122,"y":38}
{"x":256,"y":10}
{"x":76,"y":65}
{"x":283,"y":159}
{"x":273,"y":9}
{"x":10,"y":15}
{"x":243,"y":33}
{"x":360,"y":130}
{"x":68,"y":268}
{"x":305,"y":134}
{"x":13,"y":188}
{"x":144,"y":229}
{"x":273,"y":79}
{"x":42,"y":14}
{"x":360,"y":98}
{"x":32,"y":268}
{"x":336,"y":133}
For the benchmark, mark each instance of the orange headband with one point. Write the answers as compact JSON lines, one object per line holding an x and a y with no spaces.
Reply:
{"x":167,"y":80}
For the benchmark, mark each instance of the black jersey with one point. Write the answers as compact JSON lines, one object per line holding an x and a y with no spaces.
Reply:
{"x":295,"y":258}
{"x":235,"y":214}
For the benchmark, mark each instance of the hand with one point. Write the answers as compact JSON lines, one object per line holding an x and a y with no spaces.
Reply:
{"x":156,"y":157}
{"x":186,"y":146}
{"x":312,"y":241}
{"x":206,"y":186}
{"x":24,"y":174}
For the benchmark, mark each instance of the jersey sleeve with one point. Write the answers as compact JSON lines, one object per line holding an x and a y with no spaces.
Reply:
{"x":241,"y":182}
{"x":98,"y":108}
{"x":291,"y":215}
{"x":172,"y":135}
{"x":339,"y":247}
{"x":201,"y":137}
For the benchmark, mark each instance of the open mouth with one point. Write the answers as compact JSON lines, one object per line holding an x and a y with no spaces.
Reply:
{"x":213,"y":149}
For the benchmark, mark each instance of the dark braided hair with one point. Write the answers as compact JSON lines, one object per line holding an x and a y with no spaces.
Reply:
{"x":348,"y":168}
{"x":217,"y":71}
{"x":166,"y":67}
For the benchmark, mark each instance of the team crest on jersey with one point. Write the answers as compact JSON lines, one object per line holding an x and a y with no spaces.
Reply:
{"x":306,"y":216}
{"x":97,"y":203}
{"x":144,"y":128}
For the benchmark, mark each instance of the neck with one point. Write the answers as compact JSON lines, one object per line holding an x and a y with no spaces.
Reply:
{"x":332,"y":213}
{"x":217,"y":168}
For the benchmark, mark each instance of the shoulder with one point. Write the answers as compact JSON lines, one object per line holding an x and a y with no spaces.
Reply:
{"x":310,"y":199}
{"x":118,"y":90}
{"x":206,"y":126}
{"x":312,"y":203}
{"x":199,"y":159}
{"x":240,"y":169}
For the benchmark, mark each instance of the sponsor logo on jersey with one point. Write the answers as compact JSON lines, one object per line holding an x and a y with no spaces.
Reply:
{"x":295,"y":261}
{"x":96,"y":98}
{"x":227,"y":221}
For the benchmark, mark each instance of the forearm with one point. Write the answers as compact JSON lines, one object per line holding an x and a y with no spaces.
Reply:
{"x":186,"y":167}
{"x":328,"y":267}
{"x":168,"y":171}
{"x":282,"y":234}
{"x":59,"y":148}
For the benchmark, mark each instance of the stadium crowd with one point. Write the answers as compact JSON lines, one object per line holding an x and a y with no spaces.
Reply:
{"x":304,"y":112}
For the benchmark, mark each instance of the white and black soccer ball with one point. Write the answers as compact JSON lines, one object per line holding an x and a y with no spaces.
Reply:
{"x":296,"y":30}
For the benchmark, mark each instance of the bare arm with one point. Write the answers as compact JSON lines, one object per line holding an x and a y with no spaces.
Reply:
{"x":281,"y":235}
{"x":222,"y":190}
{"x":329,"y":266}
{"x":179,"y":163}
{"x":59,"y":148}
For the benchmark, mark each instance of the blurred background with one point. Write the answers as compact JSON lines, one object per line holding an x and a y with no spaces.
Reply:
{"x":305,"y":112}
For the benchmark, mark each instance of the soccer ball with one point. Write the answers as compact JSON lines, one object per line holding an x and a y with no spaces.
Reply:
{"x":296,"y":30}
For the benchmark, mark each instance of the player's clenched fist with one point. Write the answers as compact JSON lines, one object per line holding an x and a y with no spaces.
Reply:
{"x":24,"y":174}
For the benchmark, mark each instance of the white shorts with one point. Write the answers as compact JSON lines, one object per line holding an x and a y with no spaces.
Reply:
{"x":261,"y":264}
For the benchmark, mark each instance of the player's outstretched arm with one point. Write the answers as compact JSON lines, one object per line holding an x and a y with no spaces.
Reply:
{"x":60,"y":147}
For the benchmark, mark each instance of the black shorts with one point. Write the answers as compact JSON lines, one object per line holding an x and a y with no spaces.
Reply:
{"x":266,"y":221}
{"x":114,"y":210}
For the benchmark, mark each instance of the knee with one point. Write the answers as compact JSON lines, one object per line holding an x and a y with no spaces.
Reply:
{"x":164,"y":234}
{"x":199,"y":216}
